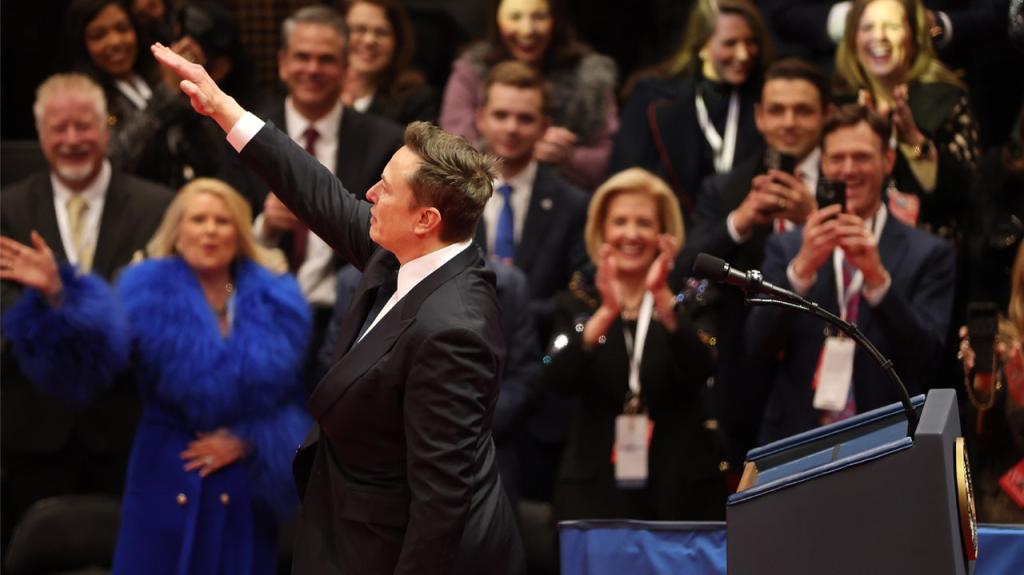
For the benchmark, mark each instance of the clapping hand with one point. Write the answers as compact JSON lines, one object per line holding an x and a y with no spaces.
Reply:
{"x":34,"y":267}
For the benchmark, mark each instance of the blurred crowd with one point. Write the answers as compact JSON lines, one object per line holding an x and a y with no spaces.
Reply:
{"x":165,"y":316}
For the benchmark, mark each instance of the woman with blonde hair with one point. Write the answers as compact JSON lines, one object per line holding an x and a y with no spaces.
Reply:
{"x":693,"y":115}
{"x":213,"y":336}
{"x":886,"y":60}
{"x":624,"y":347}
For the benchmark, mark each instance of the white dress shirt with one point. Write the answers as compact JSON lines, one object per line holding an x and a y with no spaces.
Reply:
{"x":95,"y":195}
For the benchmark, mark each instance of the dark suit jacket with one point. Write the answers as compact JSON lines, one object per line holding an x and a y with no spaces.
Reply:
{"x":37,"y":423}
{"x":399,"y":475}
{"x":741,"y":380}
{"x":365,"y":144}
{"x":909,"y":326}
{"x":551,"y":246}
{"x":418,"y":103}
{"x":660,"y":133}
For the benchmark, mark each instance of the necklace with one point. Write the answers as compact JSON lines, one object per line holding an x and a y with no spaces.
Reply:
{"x":222,"y":310}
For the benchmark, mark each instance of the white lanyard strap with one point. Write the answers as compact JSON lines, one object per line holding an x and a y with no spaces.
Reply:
{"x":643,"y":323}
{"x":724,"y":150}
{"x":857,"y":280}
{"x":135,"y":90}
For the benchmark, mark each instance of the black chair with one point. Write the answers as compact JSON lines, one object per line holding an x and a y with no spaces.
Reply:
{"x":65,"y":535}
{"x":20,"y":159}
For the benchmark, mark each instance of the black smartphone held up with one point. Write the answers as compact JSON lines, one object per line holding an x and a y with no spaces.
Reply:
{"x":831,"y":192}
{"x":775,"y":160}
{"x":982,"y":325}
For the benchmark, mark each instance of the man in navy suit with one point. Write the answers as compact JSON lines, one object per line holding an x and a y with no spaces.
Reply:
{"x":535,"y":221}
{"x":398,"y":475}
{"x":893,"y":281}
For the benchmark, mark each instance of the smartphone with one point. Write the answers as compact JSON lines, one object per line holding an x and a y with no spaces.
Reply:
{"x":831,"y":192}
{"x":775,"y":160}
{"x":982,"y":325}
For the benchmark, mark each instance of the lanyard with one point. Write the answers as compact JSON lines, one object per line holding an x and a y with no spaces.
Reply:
{"x":135,"y":90}
{"x":857,"y":280}
{"x":723,"y":150}
{"x":636,"y":349}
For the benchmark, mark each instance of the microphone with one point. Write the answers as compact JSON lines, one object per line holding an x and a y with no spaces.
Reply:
{"x":718,"y":270}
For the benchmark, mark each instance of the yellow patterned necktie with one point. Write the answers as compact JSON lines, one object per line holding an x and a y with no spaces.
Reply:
{"x":77,"y":208}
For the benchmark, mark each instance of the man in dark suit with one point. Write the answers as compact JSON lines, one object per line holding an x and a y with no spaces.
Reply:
{"x":535,"y":221}
{"x":894,"y":282}
{"x":399,"y":475}
{"x":352,"y":145}
{"x":737,"y":212}
{"x":96,"y":218}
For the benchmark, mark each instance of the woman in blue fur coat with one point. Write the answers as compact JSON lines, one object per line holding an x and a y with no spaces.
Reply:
{"x":215,"y":338}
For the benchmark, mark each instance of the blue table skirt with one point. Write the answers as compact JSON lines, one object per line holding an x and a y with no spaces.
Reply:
{"x":655,"y":548}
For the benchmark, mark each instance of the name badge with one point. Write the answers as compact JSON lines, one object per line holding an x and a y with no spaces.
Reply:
{"x":632,"y":439}
{"x":835,"y":374}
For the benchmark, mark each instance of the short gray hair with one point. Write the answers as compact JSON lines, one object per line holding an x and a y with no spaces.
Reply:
{"x":315,"y":14}
{"x":71,"y":84}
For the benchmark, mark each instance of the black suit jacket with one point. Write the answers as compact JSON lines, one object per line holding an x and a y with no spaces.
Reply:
{"x":399,"y":474}
{"x":660,"y":133}
{"x":37,"y":423}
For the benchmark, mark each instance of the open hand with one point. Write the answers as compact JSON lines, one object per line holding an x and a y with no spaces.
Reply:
{"x":206,"y":97}
{"x":34,"y":267}
{"x":213,"y":451}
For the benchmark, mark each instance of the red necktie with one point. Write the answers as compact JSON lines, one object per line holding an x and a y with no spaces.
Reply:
{"x":300,"y":236}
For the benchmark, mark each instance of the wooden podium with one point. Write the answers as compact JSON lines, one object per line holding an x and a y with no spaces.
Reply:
{"x":859,"y":496}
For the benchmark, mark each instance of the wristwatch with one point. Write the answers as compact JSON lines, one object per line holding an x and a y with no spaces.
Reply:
{"x":922,"y":150}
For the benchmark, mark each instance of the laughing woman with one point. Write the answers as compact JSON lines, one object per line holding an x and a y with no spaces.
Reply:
{"x":214,"y":338}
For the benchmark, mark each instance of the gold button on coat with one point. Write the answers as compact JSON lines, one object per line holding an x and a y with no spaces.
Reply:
{"x":225,"y":499}
{"x":182,"y":500}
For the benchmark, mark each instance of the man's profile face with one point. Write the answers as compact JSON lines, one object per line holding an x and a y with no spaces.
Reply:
{"x":313,"y":67}
{"x":790,"y":116}
{"x":512,"y":121}
{"x":74,"y":139}
{"x":394,"y":214}
{"x":856,"y":155}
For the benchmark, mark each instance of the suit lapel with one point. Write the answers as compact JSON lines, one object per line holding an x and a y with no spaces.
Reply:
{"x":368,"y":351}
{"x":892,"y":249}
{"x":538,"y":219}
{"x":376,"y":274}
{"x":113,"y":226}
{"x":673,"y":126}
{"x":44,"y":217}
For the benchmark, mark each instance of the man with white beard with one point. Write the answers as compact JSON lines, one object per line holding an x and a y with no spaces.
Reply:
{"x":96,"y":218}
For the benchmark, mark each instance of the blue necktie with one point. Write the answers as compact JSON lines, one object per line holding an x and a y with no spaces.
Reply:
{"x":505,"y":235}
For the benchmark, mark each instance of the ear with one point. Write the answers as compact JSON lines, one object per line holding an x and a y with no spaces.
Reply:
{"x":889,"y":160}
{"x":281,"y":57}
{"x":429,"y":222}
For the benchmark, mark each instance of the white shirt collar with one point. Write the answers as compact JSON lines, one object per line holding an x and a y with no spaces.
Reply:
{"x":296,"y":123}
{"x":809,"y":169}
{"x":522,"y":180}
{"x":412,"y":272}
{"x":93,"y":193}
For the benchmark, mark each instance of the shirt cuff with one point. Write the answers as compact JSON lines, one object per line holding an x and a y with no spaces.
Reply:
{"x":735,"y":235}
{"x":837,"y":20}
{"x":874,"y":295}
{"x":244,"y":130}
{"x":799,"y":286}
{"x":947,"y":30}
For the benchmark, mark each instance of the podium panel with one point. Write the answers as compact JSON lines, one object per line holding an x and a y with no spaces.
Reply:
{"x":855,"y":497}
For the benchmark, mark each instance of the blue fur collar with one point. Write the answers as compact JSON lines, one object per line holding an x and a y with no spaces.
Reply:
{"x":185,"y":364}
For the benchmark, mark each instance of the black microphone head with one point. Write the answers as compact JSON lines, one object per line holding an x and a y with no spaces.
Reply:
{"x":709,"y":267}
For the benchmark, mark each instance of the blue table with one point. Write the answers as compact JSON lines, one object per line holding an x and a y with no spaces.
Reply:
{"x":656,"y":548}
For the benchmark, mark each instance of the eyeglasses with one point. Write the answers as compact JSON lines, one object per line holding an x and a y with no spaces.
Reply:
{"x":381,"y":33}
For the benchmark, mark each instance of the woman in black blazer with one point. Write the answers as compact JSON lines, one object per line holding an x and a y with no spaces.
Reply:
{"x":633,"y":232}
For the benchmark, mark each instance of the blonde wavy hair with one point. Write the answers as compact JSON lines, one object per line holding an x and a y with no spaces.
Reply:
{"x":1010,"y":330}
{"x":166,"y":236}
{"x":924,"y":66}
{"x":632,"y":180}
